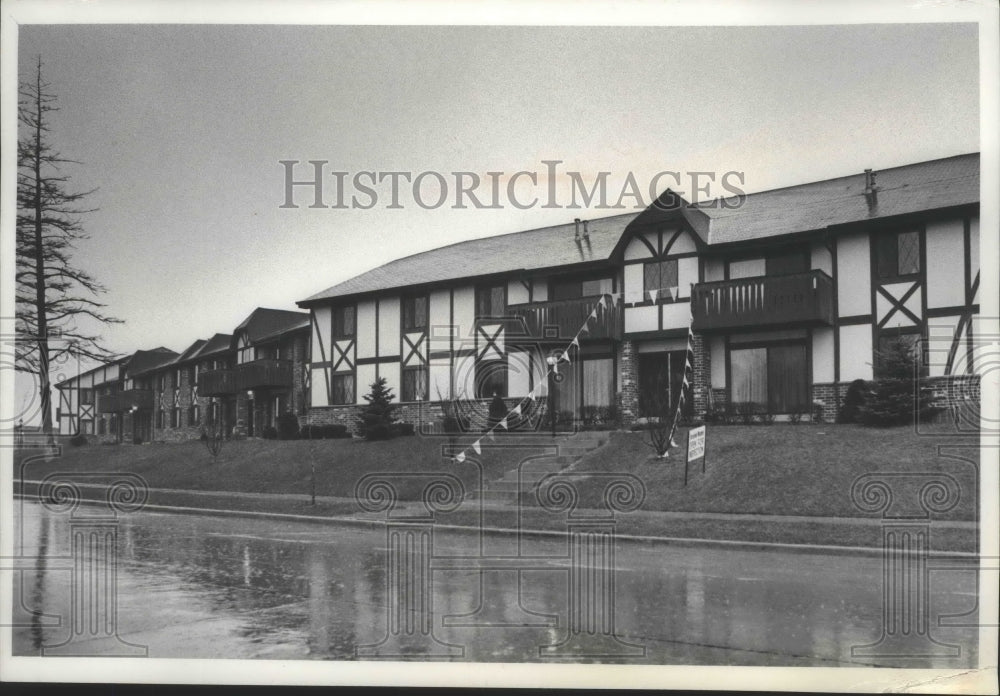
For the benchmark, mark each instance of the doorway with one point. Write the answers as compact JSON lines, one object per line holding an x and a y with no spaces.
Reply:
{"x":661,"y":378}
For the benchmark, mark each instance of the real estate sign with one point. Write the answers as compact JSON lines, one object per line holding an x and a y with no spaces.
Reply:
{"x":696,"y":443}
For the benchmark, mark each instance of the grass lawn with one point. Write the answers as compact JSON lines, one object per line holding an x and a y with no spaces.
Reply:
{"x":785,"y":469}
{"x":274,"y":466}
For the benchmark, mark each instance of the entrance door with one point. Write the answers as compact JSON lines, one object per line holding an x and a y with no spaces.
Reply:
{"x":251,"y":412}
{"x":661,"y":378}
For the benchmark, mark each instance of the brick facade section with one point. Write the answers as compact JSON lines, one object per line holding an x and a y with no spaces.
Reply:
{"x":628,"y":382}
{"x":701,"y":379}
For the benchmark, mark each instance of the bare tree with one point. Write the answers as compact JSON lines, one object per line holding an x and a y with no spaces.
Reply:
{"x":53,"y":295}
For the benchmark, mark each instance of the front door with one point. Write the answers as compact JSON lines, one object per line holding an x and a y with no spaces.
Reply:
{"x":661,"y":378}
{"x":251,"y":413}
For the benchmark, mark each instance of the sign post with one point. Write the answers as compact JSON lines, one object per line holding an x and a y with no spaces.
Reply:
{"x":695,"y":449}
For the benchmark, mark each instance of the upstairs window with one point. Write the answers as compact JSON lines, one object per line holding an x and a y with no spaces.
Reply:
{"x":898,"y":254}
{"x":414,"y":384}
{"x":571,"y":288}
{"x":491,"y":301}
{"x":415,"y":313}
{"x":86,"y":396}
{"x":659,"y":276}
{"x":343,"y":322}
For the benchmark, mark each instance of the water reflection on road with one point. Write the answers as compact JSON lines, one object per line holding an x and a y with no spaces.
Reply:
{"x":199,"y":586}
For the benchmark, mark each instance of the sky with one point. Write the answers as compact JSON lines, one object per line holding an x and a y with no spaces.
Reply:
{"x":181,"y":130}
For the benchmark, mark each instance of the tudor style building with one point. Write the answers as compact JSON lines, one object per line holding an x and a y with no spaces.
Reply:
{"x":236,"y":384}
{"x":789,"y":293}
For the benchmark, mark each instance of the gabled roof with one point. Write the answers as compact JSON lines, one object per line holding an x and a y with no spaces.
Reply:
{"x":191,"y":351}
{"x":912,"y":188}
{"x":74,"y":378}
{"x":219,"y":343}
{"x":143,"y":361}
{"x":267,"y":323}
{"x":529,"y":250}
{"x":303,"y":325}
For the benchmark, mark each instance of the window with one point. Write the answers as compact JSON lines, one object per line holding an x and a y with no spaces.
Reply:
{"x":414,"y":313}
{"x":175,"y":417}
{"x":87,"y":427}
{"x":160,"y":419}
{"x":343,"y":322}
{"x":774,"y":378}
{"x":343,"y":389}
{"x":570,"y":288}
{"x":659,"y":276}
{"x":194,"y":415}
{"x":491,"y":301}
{"x":86,"y":396}
{"x":414,"y":384}
{"x":491,"y":379}
{"x":102,"y":425}
{"x":898,"y":254}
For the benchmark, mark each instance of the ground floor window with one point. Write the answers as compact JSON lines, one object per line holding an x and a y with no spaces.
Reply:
{"x":343,"y":388}
{"x":175,"y":417}
{"x":87,"y":427}
{"x":774,"y":378}
{"x":102,"y":425}
{"x":194,"y":415}
{"x":414,"y":384}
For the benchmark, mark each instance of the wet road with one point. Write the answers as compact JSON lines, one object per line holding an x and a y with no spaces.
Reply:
{"x":199,"y":586}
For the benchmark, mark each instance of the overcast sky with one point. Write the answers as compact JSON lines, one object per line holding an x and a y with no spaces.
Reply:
{"x":181,"y":128}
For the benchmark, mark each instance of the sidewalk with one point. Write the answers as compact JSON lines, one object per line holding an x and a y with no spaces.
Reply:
{"x":791,"y":532}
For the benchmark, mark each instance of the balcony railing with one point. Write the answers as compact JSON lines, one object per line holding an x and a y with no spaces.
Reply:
{"x":125,"y":400}
{"x":799,"y":299}
{"x":258,"y":374}
{"x":562,"y":319}
{"x":221,"y":382}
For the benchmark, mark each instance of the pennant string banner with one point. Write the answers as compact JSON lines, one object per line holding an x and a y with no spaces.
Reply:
{"x":564,"y":356}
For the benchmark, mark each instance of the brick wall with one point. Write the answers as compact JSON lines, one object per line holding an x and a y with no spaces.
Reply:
{"x":701,"y":380}
{"x":628,"y":382}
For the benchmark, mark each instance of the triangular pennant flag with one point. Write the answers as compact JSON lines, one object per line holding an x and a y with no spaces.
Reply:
{"x":593,"y":313}
{"x":565,"y":356}
{"x":690,"y":333}
{"x":490,"y":433}
{"x":517,"y":410}
{"x":531,"y":395}
{"x":652,"y":295}
{"x":601,"y":302}
{"x":685,"y":380}
{"x":475,"y":446}
{"x":584,"y":329}
{"x":503,"y":423}
{"x":672,"y":442}
{"x":460,"y":457}
{"x":575,"y":341}
{"x":687,"y":364}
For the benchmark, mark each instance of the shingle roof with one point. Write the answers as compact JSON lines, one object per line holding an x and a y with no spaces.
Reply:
{"x":529,"y":250}
{"x":190,"y":351}
{"x":219,"y":343}
{"x":266,"y":323}
{"x":148,"y":360}
{"x":911,"y":188}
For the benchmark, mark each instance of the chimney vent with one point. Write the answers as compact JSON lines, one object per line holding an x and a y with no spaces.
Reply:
{"x":871,"y":191}
{"x":586,"y":232}
{"x":576,"y":229}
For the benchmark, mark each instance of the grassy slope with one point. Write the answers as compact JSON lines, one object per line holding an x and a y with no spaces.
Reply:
{"x":778,"y":469}
{"x":786,"y":469}
{"x":272,"y":466}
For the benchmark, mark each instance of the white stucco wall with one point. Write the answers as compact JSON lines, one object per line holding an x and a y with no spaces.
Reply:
{"x":822,"y":355}
{"x":945,"y":263}
{"x":855,"y":352}
{"x":641,"y":319}
{"x":388,"y":326}
{"x":366,"y":328}
{"x":854,"y":276}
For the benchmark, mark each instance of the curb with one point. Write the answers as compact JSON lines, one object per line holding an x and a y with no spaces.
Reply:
{"x":685,"y":542}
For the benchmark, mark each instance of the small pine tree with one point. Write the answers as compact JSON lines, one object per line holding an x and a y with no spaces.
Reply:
{"x":892,"y":399}
{"x":376,"y":418}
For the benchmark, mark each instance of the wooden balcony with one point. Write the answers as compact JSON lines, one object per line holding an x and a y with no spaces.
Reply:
{"x":220,"y":382}
{"x":562,"y":319}
{"x":799,"y":299}
{"x":125,"y":400}
{"x":263,"y":374}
